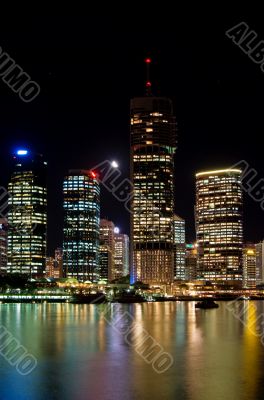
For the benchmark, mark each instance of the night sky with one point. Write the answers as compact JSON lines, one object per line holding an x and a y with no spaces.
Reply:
{"x":89,"y":66}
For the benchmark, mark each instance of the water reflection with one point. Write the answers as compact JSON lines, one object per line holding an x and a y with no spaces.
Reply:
{"x":83,"y":353}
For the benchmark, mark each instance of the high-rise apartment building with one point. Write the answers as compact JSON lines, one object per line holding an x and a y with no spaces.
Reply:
{"x":153,"y":144}
{"x":81,"y":225}
{"x":219,"y":225}
{"x":27,"y":217}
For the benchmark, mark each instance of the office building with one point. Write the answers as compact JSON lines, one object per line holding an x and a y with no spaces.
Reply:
{"x":249,"y":266}
{"x":27,"y":217}
{"x":121,"y":255}
{"x":58,"y":263}
{"x":81,"y":225}
{"x":260,"y":263}
{"x":219,"y":226}
{"x":54,"y":265}
{"x":191,"y":262}
{"x":153,"y":144}
{"x":3,"y":245}
{"x":49,"y":267}
{"x":179,"y":248}
{"x":107,"y":249}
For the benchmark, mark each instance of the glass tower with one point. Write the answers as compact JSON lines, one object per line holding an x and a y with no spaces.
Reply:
{"x":219,"y":225}
{"x":27,"y":216}
{"x":81,"y":225}
{"x":153,"y":144}
{"x":179,"y":248}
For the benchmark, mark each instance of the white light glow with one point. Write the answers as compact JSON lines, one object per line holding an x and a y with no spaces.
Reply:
{"x":114,"y":164}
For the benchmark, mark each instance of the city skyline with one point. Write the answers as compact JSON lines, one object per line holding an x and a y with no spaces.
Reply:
{"x":215,"y":92}
{"x":132,"y":204}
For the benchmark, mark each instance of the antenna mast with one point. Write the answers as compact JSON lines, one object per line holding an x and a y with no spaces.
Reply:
{"x":148,"y":82}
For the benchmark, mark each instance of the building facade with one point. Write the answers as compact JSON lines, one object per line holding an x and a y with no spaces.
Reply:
{"x":49,"y":267}
{"x":219,"y":225}
{"x":179,"y":249}
{"x":107,"y":248}
{"x":260,"y":263}
{"x":249,"y":266}
{"x":81,"y":205}
{"x":27,"y":216}
{"x":121,"y":255}
{"x":3,"y":245}
{"x":58,"y":263}
{"x":191,"y":262}
{"x":153,"y":144}
{"x":54,"y":265}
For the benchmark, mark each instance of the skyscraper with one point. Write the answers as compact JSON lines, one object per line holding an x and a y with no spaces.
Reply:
{"x":219,"y":225}
{"x":27,"y":217}
{"x":107,"y":249}
{"x":54,"y":265}
{"x":179,"y":248}
{"x":249,"y":266}
{"x":260,"y":262}
{"x":49,"y":267}
{"x":121,"y":256}
{"x":153,"y":144}
{"x":81,"y":225}
{"x":3,"y":245}
{"x":58,"y":263}
{"x":191,"y":262}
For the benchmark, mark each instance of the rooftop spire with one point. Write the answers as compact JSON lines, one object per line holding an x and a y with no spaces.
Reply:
{"x":148,"y":82}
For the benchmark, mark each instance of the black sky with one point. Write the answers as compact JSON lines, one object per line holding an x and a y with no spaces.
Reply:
{"x":89,"y":66}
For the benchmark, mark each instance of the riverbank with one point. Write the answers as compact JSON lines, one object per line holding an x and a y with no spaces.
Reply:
{"x":102,"y":299}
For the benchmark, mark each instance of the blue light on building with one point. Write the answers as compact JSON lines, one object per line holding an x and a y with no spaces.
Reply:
{"x":22,"y":152}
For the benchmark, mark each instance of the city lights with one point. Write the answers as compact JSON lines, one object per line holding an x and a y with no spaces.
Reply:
{"x":22,"y":152}
{"x":153,"y":144}
{"x":219,"y":225}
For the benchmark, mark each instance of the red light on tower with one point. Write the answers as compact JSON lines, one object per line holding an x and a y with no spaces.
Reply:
{"x":148,"y":81}
{"x":93,"y":174}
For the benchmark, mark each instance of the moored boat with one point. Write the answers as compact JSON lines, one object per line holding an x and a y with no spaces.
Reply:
{"x":206,"y":304}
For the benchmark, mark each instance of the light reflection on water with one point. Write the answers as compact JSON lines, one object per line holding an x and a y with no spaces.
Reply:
{"x":81,"y":356}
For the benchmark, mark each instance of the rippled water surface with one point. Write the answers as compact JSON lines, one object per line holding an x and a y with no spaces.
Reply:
{"x":83,"y":351}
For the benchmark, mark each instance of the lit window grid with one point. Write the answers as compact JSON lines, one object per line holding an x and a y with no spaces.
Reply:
{"x":28,"y":213}
{"x":81,"y":227}
{"x":249,"y":268}
{"x":219,"y":225}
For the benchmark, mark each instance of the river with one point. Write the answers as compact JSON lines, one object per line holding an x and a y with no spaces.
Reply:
{"x":94,"y":351}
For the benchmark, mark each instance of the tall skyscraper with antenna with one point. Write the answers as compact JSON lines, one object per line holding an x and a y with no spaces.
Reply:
{"x":153,"y":144}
